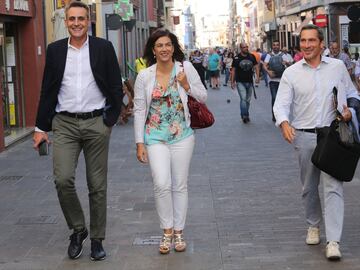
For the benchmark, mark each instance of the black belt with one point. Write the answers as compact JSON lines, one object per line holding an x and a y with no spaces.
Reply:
{"x":83,"y":116}
{"x":309,"y":130}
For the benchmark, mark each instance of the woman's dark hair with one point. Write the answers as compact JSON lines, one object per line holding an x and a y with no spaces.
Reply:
{"x":178,"y":54}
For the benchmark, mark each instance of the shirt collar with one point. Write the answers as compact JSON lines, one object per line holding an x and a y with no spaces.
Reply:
{"x":85,"y":43}
{"x":324,"y":59}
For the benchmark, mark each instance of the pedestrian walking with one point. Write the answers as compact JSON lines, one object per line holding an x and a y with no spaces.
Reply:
{"x":197,"y":61}
{"x":337,"y":54}
{"x":80,"y":101}
{"x":228,"y":63}
{"x":310,"y":103}
{"x":242,"y":72}
{"x":275,"y":64}
{"x":163,"y":134}
{"x":214,"y":64}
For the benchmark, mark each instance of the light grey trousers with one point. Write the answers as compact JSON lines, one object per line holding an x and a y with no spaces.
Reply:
{"x":310,"y":176}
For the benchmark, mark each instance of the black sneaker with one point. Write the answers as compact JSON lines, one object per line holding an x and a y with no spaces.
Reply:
{"x":97,"y":250}
{"x":77,"y":240}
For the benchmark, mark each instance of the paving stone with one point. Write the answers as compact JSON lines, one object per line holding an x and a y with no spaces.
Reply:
{"x":245,"y":210}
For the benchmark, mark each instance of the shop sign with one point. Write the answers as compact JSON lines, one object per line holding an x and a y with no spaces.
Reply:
{"x":22,"y":5}
{"x":321,"y":20}
{"x":16,"y":7}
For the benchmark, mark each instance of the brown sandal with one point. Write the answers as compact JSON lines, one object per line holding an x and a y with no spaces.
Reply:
{"x":179,"y":242}
{"x":165,"y":243}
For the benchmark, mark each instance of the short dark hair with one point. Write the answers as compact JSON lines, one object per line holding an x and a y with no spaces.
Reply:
{"x":313,"y":27}
{"x":178,"y":54}
{"x":76,"y":3}
{"x":276,"y":40}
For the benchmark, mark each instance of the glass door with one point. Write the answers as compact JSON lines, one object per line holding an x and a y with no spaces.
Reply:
{"x":10,"y":87}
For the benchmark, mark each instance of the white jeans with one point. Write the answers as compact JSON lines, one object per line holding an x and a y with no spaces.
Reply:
{"x":169,"y":165}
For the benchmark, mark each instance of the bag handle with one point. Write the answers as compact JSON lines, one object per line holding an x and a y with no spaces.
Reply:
{"x":339,"y":116}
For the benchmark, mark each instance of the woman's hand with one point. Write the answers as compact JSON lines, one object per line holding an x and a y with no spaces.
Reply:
{"x":181,"y":77}
{"x":141,"y":153}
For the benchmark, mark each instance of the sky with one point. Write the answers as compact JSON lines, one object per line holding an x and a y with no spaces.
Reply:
{"x":213,"y":7}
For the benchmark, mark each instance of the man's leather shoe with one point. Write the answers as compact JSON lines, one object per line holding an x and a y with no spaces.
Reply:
{"x":77,"y":240}
{"x":97,"y":250}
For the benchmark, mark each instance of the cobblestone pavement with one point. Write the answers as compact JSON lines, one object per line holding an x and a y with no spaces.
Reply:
{"x":245,"y":208}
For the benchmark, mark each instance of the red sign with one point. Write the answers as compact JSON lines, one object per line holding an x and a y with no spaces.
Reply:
{"x":176,"y":20}
{"x":321,"y":20}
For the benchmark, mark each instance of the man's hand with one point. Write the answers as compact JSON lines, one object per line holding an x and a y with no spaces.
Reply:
{"x":257,"y":80}
{"x":287,"y":131}
{"x":271,"y":74}
{"x":141,"y":153}
{"x":38,"y":137}
{"x":346,"y":114}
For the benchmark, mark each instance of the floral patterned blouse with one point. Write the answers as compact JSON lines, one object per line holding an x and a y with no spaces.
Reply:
{"x":165,"y":122}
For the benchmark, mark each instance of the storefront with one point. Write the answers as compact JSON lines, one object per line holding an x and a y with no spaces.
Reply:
{"x":21,"y":65}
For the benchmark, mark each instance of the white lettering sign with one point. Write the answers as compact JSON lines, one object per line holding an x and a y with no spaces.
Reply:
{"x":7,"y":4}
{"x":21,"y":5}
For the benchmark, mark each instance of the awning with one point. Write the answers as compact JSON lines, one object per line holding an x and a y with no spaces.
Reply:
{"x":303,"y":23}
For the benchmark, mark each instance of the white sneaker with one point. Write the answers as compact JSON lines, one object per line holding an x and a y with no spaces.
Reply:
{"x":313,"y":236}
{"x":333,"y":251}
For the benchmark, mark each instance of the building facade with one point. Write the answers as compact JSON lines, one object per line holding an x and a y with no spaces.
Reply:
{"x":22,"y":58}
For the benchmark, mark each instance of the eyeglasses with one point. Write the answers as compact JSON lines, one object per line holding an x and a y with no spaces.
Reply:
{"x":161,"y":45}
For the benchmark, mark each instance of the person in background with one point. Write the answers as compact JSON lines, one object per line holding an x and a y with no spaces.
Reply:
{"x":356,"y":63}
{"x":214,"y":64}
{"x":335,"y":53}
{"x":140,"y":64}
{"x":197,"y":61}
{"x":275,"y":64}
{"x":163,"y":135}
{"x":228,"y":63}
{"x":242,"y":72}
{"x":289,"y":60}
{"x":298,"y":54}
{"x":80,"y":101}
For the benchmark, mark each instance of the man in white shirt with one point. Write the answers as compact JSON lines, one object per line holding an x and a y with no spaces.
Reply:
{"x":305,"y":92}
{"x":80,"y":101}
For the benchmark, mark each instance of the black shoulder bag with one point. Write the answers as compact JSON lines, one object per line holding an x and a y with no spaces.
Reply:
{"x":336,"y":153}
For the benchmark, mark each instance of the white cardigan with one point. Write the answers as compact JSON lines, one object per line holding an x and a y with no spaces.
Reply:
{"x":144,"y":86}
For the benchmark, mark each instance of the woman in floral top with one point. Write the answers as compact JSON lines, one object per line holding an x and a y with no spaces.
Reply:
{"x":163,"y":134}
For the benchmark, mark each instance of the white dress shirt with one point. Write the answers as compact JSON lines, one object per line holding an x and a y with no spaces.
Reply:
{"x":305,"y":93}
{"x":79,"y":92}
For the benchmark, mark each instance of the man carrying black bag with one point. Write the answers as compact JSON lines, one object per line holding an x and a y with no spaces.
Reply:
{"x":306,"y":91}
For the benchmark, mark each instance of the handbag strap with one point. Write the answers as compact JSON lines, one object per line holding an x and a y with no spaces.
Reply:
{"x":339,"y":116}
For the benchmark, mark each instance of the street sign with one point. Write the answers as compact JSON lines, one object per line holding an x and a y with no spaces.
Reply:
{"x":321,"y":20}
{"x":124,"y":9}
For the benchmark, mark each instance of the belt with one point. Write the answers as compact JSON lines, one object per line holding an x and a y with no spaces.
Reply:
{"x":83,"y":116}
{"x":309,"y":130}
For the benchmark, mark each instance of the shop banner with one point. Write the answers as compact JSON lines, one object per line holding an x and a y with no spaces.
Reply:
{"x":24,"y":8}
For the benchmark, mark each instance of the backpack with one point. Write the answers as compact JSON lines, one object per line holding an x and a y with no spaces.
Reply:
{"x":276,"y":65}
